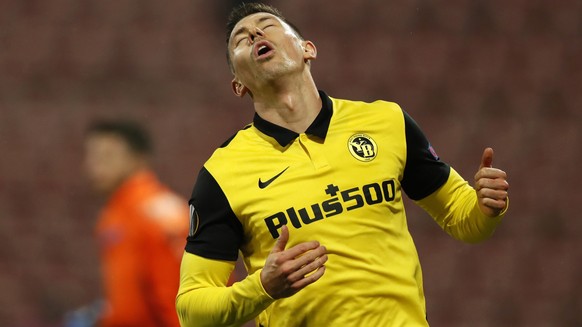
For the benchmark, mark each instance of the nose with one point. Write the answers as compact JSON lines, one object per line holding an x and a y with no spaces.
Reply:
{"x":255,"y":33}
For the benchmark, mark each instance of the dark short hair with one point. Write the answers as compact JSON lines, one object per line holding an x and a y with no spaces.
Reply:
{"x":246,"y":9}
{"x":135,"y":135}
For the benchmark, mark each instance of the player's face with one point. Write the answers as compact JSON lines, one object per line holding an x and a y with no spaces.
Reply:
{"x":108,"y":161}
{"x":263,"y":47}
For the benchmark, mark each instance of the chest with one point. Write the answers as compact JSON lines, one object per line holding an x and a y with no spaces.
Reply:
{"x":317,"y":186}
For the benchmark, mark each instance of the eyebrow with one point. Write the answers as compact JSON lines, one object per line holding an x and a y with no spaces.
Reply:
{"x":244,"y":29}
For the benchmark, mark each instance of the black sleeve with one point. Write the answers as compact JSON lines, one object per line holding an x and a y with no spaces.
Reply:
{"x":424,"y":172}
{"x":215,"y":231}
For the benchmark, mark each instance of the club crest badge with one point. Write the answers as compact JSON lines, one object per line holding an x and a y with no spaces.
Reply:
{"x":362,"y":147}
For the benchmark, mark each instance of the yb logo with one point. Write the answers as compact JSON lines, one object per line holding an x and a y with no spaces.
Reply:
{"x":362,"y":147}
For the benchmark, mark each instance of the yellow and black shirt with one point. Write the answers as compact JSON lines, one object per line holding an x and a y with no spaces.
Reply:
{"x":340,"y":183}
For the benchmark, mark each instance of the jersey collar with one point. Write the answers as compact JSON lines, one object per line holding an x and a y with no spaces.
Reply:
{"x":284,"y":136}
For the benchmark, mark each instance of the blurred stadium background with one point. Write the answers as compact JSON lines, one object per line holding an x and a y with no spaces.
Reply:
{"x":473,"y":73}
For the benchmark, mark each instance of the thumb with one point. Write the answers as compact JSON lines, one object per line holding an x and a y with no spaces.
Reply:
{"x":281,"y":242}
{"x":487,"y":158}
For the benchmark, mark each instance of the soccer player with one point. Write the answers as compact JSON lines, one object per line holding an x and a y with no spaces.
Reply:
{"x":311,"y":193}
{"x":141,"y":230}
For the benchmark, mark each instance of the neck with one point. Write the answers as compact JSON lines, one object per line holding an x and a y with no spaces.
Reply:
{"x":290,"y":104}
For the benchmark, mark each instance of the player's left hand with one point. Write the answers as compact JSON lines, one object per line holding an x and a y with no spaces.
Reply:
{"x":491,"y":186}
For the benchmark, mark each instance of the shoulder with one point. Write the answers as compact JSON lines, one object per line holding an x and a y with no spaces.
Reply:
{"x":377,"y":107}
{"x":379,"y":114}
{"x":231,"y":147}
{"x":228,"y":141}
{"x":166,"y":210}
{"x":237,"y":154}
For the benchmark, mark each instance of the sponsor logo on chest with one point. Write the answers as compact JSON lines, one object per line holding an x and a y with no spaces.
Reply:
{"x":341,"y":200}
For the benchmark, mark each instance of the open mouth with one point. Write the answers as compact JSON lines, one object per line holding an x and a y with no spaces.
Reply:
{"x":262,"y":49}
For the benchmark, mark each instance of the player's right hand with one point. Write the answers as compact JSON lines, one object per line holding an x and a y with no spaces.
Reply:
{"x":286,"y":272}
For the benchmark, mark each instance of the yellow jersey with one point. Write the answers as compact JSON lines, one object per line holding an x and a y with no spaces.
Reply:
{"x":340,"y":183}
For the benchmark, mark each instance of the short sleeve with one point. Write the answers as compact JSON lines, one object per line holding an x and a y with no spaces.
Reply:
{"x":215,"y":231}
{"x":424,"y":172}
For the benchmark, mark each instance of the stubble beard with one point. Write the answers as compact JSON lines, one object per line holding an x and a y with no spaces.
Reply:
{"x":276,"y":71}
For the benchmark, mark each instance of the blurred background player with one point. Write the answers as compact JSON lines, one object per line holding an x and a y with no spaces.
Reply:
{"x":141,"y":229}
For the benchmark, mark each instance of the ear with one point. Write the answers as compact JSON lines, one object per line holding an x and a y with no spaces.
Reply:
{"x":309,"y":51}
{"x":238,"y":88}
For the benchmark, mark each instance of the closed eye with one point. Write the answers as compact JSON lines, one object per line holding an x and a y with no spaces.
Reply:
{"x":237,"y":43}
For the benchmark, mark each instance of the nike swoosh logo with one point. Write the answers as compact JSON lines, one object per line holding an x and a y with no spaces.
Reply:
{"x":269,"y":181}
